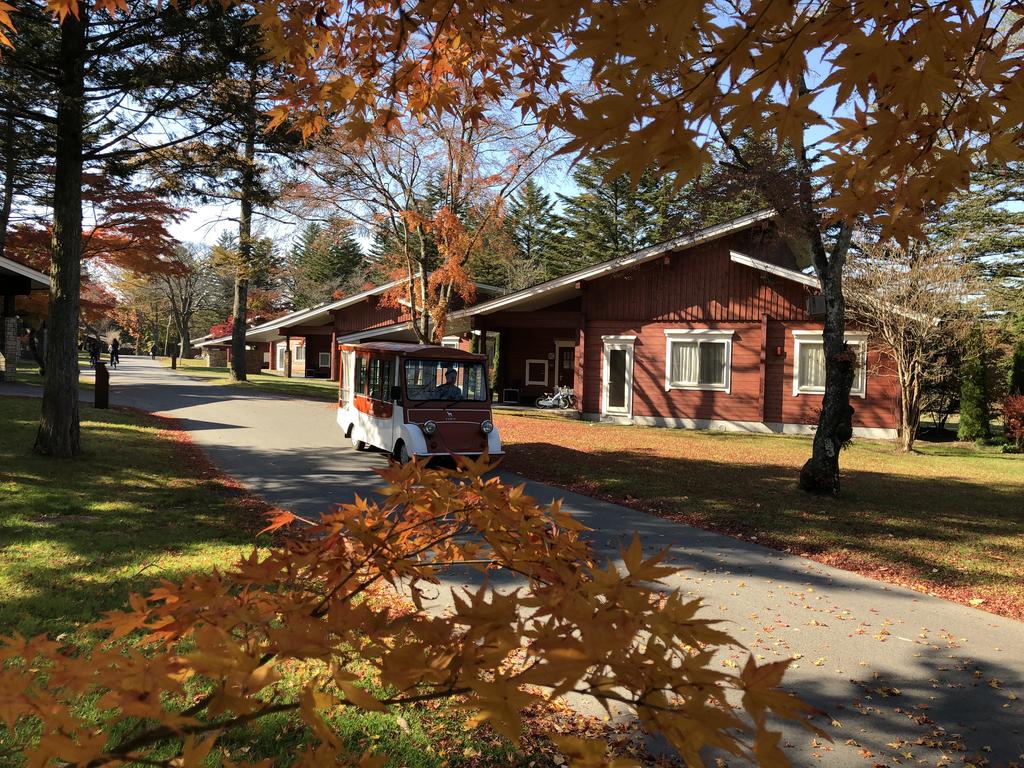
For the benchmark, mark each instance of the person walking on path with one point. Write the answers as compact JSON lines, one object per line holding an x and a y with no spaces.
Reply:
{"x":115,"y":353}
{"x":152,"y":352}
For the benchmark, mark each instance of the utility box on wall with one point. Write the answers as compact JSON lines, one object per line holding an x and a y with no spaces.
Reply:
{"x":816,"y":305}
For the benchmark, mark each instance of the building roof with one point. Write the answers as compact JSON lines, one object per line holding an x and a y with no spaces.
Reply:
{"x":774,"y":269}
{"x":318,"y":315}
{"x":38,"y":280}
{"x":312,"y":316}
{"x":433,"y":351}
{"x":563,"y":288}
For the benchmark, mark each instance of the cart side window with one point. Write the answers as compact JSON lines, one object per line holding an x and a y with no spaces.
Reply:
{"x":448,"y":380}
{"x":382,"y":376}
{"x":360,"y":378}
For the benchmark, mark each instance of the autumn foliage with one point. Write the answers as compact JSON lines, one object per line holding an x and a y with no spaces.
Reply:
{"x":1013,"y":419}
{"x":191,"y":661}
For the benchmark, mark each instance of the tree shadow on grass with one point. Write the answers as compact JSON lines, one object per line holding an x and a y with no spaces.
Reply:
{"x":78,"y":536}
{"x":916,"y":522}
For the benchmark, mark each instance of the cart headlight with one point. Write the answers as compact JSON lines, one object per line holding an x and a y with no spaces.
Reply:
{"x":429,"y":428}
{"x":486,"y":426}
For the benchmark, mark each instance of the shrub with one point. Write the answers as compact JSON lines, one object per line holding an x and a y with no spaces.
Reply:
{"x":1013,"y":419}
{"x":974,"y":393}
{"x":310,"y":626}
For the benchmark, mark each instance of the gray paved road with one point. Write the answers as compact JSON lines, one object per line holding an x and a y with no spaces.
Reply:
{"x":906,"y":678}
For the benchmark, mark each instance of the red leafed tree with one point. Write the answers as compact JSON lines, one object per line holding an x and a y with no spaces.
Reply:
{"x":222,"y":329}
{"x":128,"y":231}
{"x":127,"y":235}
{"x":432,"y":190}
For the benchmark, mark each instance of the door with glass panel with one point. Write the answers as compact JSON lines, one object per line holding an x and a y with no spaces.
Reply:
{"x":617,"y":378}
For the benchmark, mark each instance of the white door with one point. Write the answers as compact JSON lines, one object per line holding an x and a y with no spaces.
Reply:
{"x":280,"y":356}
{"x":617,"y":376}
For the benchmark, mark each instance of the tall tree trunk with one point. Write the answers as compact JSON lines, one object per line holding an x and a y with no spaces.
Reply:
{"x":910,"y":406}
{"x":185,"y":337}
{"x":244,"y":267}
{"x":10,"y":170}
{"x":820,"y":474}
{"x":58,"y":424}
{"x":238,"y":326}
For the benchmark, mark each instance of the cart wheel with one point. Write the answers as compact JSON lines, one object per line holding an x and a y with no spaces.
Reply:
{"x":402,"y":454}
{"x":359,"y":445}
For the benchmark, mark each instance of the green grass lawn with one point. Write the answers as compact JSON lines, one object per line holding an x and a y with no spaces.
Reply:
{"x":28,"y":372}
{"x":947,"y":519}
{"x":314,"y":389}
{"x":78,"y":536}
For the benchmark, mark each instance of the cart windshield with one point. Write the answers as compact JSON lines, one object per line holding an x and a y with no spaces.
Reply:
{"x":446,"y":380}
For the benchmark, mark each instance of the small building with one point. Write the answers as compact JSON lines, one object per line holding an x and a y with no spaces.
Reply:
{"x":305,"y":343}
{"x":719,"y":329}
{"x":714,"y":330}
{"x":15,"y":280}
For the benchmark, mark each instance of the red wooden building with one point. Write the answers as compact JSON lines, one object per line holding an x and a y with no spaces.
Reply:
{"x":305,"y":343}
{"x":711,"y":330}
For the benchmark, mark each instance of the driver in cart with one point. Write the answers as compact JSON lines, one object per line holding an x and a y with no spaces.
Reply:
{"x":450,"y":390}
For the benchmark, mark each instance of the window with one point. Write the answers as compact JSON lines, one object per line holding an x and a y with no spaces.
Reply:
{"x":537,"y":372}
{"x":809,"y":357}
{"x":300,"y":354}
{"x":324,"y":360}
{"x":452,"y":342}
{"x":360,"y":376}
{"x":281,"y":349}
{"x":381,"y":377}
{"x":445,"y":380}
{"x":698,"y":358}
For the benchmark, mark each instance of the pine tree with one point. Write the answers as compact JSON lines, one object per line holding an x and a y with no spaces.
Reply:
{"x":322,"y":262}
{"x":987,"y":221}
{"x":975,"y":413}
{"x":535,"y":231}
{"x":237,"y":161}
{"x":612,"y":217}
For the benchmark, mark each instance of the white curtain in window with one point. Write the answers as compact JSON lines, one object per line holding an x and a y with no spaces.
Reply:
{"x":685,"y":362}
{"x":712,"y":363}
{"x":859,"y":373}
{"x":812,"y":365}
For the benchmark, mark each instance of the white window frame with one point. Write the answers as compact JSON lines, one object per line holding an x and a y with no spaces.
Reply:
{"x":280,"y":353}
{"x":853,"y":339}
{"x":300,"y":353}
{"x":452,"y":342}
{"x":320,"y":360}
{"x":698,"y":335}
{"x":608,"y":344}
{"x":532,"y":382}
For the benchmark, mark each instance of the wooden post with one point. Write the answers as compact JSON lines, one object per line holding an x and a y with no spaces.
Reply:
{"x":287,"y":357}
{"x":334,"y":356}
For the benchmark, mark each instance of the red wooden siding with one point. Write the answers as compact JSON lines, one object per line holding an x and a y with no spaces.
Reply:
{"x":879,"y":407}
{"x":521,"y":344}
{"x":650,"y":398}
{"x":698,"y":285}
{"x":743,"y":402}
{"x":364,"y":315}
